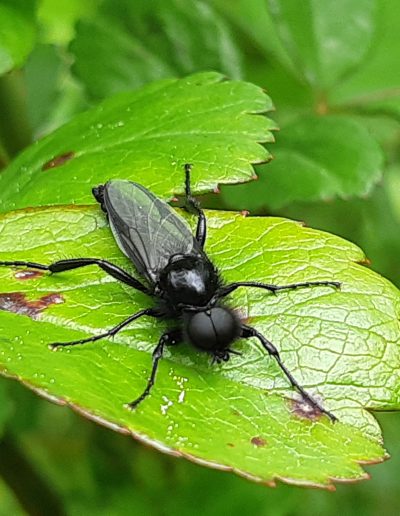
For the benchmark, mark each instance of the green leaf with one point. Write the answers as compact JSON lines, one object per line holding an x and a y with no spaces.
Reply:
{"x":253,"y":19}
{"x":325,"y":39}
{"x":9,"y":504}
{"x":375,"y":87}
{"x":57,"y":19}
{"x":315,"y":158}
{"x":17,"y":33}
{"x":146,"y":135}
{"x":381,"y":216}
{"x":135,"y":43}
{"x":341,"y":345}
{"x":42,"y":78}
{"x":52,"y":95}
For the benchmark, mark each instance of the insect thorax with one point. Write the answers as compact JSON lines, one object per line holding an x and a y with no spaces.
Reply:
{"x":189,"y":280}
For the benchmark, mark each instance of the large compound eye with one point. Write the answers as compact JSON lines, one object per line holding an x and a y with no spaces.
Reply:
{"x":201,"y":332}
{"x":214,"y":329}
{"x":226,"y":326}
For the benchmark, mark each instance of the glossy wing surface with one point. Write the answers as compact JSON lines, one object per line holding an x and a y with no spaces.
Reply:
{"x":147,"y":230}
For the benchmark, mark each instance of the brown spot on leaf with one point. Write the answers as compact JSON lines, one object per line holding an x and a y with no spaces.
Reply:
{"x":303,"y":409}
{"x":245,"y":213}
{"x":231,"y":445}
{"x":258,"y":441}
{"x":28,"y":274}
{"x":17,"y":303}
{"x":57,"y":161}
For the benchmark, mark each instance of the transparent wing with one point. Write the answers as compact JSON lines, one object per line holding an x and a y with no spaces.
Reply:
{"x":147,"y":230}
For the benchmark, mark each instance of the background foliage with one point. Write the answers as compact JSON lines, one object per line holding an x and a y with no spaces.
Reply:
{"x":332,"y":72}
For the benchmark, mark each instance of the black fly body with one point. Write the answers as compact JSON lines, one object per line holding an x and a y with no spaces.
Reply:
{"x":178,"y":274}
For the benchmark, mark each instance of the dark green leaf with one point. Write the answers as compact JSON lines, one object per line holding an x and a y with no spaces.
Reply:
{"x":325,"y":39}
{"x":375,"y":87}
{"x":315,"y":158}
{"x":135,"y":43}
{"x":58,"y":19}
{"x":17,"y":33}
{"x":52,"y":95}
{"x":145,"y":136}
{"x":252,"y":18}
{"x":42,"y":83}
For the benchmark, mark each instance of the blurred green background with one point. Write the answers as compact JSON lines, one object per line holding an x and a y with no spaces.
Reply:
{"x":332,"y":71}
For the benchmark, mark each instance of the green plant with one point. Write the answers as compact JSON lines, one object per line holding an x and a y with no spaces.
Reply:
{"x":338,"y":119}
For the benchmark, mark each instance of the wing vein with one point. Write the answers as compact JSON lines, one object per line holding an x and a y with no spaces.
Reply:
{"x":146,"y":229}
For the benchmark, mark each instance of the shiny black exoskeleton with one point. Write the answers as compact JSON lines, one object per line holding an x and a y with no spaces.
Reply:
{"x":188,"y":283}
{"x":179,"y":275}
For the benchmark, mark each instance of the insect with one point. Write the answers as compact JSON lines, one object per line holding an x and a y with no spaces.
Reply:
{"x":178,"y":275}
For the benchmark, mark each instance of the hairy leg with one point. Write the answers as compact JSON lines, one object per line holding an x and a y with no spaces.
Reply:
{"x":192,"y":206}
{"x":248,"y":331}
{"x":228,"y":289}
{"x":75,"y":263}
{"x":169,"y":338}
{"x":148,"y":311}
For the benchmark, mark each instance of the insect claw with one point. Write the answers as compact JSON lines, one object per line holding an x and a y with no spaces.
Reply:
{"x":221,"y":356}
{"x":333,"y":418}
{"x":314,"y":405}
{"x":327,"y":413}
{"x":54,"y":346}
{"x":130,"y":406}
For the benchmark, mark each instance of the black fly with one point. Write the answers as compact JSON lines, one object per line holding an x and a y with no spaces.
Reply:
{"x":179,"y":276}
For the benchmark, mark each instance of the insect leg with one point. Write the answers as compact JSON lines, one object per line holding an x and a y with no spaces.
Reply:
{"x":169,"y":338}
{"x":192,"y":206}
{"x":75,"y":263}
{"x":31,"y":265}
{"x":148,"y":311}
{"x":248,"y":331}
{"x":111,"y":269}
{"x":224,"y":291}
